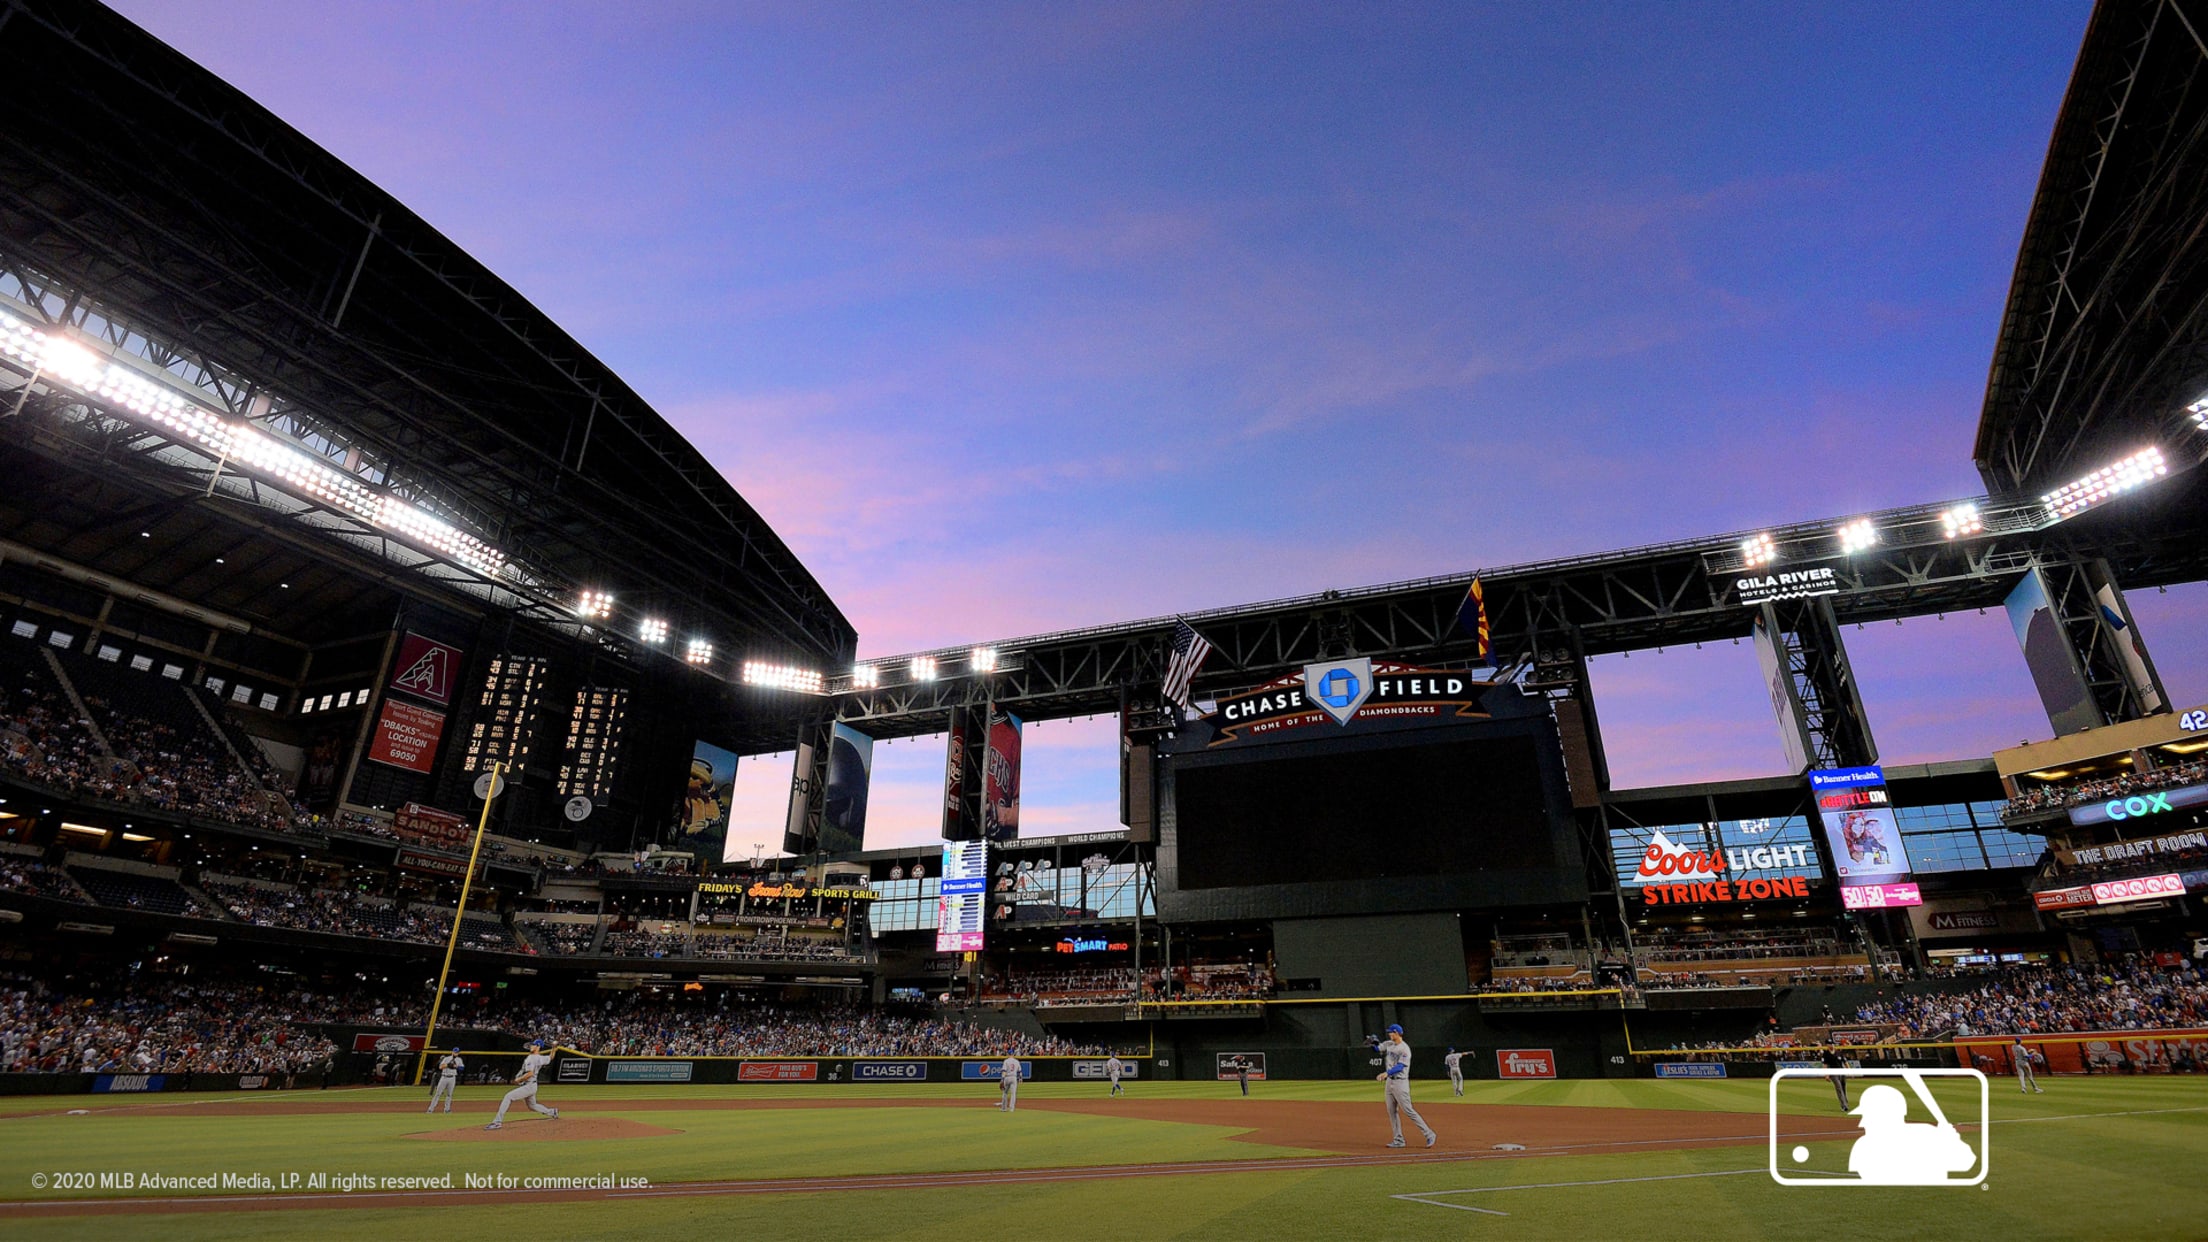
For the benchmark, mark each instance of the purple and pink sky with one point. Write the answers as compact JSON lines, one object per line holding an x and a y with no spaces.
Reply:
{"x":1013,"y":318}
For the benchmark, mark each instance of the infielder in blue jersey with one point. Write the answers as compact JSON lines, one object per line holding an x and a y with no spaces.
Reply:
{"x":1396,"y":1075}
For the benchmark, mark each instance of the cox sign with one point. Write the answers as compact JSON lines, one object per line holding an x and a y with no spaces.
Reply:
{"x":2140,"y":805}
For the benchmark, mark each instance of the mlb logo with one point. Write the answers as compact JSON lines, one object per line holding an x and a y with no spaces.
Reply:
{"x":1905,"y":1134}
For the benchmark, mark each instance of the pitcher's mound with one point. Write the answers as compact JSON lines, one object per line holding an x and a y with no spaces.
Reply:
{"x":545,"y":1130}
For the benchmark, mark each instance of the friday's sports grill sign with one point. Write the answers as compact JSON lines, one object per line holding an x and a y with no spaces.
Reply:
{"x":1340,"y":691}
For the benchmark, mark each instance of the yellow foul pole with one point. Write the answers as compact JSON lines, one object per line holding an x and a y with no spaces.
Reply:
{"x":452,"y":942}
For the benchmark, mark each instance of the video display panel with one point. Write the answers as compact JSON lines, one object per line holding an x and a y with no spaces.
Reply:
{"x":1397,"y":811}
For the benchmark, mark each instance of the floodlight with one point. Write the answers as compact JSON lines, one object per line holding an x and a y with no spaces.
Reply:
{"x":923,"y":668}
{"x":652,"y":630}
{"x":2199,"y":411}
{"x":866,"y":676}
{"x":2106,"y":483}
{"x":1759,"y":550}
{"x":1857,"y":535}
{"x":699,"y":652}
{"x":1962,"y":520}
{"x":594,"y":605}
{"x":983,"y":659}
{"x":783,"y":677}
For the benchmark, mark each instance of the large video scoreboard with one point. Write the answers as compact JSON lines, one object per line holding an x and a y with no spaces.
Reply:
{"x":1360,"y":787}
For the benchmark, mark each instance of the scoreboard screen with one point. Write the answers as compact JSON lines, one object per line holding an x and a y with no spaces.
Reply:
{"x":1455,"y":806}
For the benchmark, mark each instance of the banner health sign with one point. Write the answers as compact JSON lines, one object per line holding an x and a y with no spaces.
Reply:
{"x":2139,"y":806}
{"x":1867,"y":851}
{"x":647,"y":1071}
{"x":1340,"y":691}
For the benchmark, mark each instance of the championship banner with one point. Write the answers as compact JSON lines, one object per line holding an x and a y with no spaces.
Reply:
{"x":426,"y":669}
{"x":795,"y":838}
{"x":850,"y":771}
{"x":703,"y":827}
{"x":1340,"y":691}
{"x":1000,"y":780}
{"x":1867,"y":850}
{"x":406,"y":736}
{"x":1786,"y":704}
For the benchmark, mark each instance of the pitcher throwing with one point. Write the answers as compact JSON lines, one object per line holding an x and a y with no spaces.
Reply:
{"x":525,"y":1086}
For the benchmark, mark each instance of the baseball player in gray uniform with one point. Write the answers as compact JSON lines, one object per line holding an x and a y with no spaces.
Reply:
{"x":1395,"y":1074}
{"x":2020,"y":1054}
{"x":1008,"y":1083}
{"x":1112,"y":1070}
{"x":448,"y":1077}
{"x":525,"y":1086}
{"x":1455,"y":1061}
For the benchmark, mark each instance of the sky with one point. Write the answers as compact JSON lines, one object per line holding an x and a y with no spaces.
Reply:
{"x":1014,"y":318}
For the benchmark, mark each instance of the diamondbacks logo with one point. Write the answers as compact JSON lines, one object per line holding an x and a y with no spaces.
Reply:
{"x":1338,"y":688}
{"x":426,"y":669}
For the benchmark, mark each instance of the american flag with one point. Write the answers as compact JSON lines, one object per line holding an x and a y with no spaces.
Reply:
{"x":1189,"y":653}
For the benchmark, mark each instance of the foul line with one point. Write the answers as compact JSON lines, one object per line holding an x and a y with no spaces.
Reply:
{"x":1427,"y":1196}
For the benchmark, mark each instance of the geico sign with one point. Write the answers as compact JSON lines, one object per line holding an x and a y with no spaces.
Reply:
{"x":2133,"y":808}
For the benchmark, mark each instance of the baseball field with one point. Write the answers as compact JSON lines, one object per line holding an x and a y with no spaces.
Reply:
{"x":2091,"y":1158}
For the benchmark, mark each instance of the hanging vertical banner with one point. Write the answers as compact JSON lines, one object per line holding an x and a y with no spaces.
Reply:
{"x":1000,"y":785}
{"x":850,"y":769}
{"x":703,"y":827}
{"x":795,"y":840}
{"x":954,"y":778}
{"x":426,"y":668}
{"x":1867,"y":851}
{"x":2133,"y":652}
{"x":1785,"y":705}
{"x":2047,"y":652}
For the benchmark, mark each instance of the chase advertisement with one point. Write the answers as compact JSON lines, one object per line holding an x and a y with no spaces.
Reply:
{"x":1867,"y":851}
{"x":1338,"y":692}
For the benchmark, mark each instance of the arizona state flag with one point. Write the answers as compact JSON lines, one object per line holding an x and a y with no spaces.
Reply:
{"x":1472,"y":619}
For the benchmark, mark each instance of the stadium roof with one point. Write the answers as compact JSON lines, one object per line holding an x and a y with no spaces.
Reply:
{"x":2104,"y":342}
{"x":152,"y":212}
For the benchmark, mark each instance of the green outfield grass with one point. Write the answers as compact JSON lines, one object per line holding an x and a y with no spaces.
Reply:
{"x":2092,"y":1158}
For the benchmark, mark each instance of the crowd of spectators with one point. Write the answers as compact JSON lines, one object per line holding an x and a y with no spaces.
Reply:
{"x":1734,"y":946}
{"x":167,"y":1028}
{"x":2134,"y":994}
{"x":2123,"y":784}
{"x":640,"y":1025}
{"x":28,"y":875}
{"x":147,"y":763}
{"x":327,"y":910}
{"x":563,"y":938}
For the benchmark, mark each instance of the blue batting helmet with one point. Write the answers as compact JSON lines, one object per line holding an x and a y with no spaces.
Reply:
{"x":1394,"y":1029}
